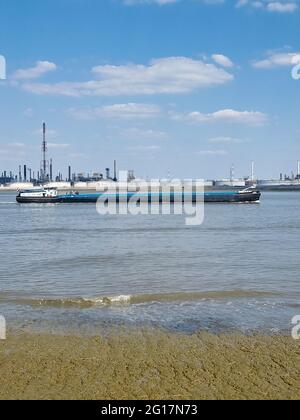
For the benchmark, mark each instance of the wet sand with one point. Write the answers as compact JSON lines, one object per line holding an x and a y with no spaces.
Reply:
{"x":149,"y":365}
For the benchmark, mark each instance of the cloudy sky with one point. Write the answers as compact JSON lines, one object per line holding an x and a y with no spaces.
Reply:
{"x":179,"y":87}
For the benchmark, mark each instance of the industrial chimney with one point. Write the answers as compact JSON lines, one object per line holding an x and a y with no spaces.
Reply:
{"x":25,"y":173}
{"x":115,"y":171}
{"x":51,"y":170}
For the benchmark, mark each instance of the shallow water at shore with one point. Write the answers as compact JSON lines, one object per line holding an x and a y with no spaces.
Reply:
{"x":66,"y":269}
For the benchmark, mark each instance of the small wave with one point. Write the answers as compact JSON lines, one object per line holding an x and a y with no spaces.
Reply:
{"x":70,"y":302}
{"x":88,"y":302}
{"x":189,"y":296}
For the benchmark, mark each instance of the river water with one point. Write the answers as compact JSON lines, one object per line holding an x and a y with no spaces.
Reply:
{"x":65,"y":268}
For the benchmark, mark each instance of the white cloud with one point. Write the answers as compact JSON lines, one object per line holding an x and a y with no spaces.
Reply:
{"x":269,"y":5}
{"x":150,"y":148}
{"x":256,"y":4}
{"x":222,"y":60}
{"x":164,"y":2}
{"x":136,"y":111}
{"x":241,"y":3}
{"x":253,"y":118}
{"x":212,"y":152}
{"x":41,"y":68}
{"x":274,"y":60}
{"x":58,"y":145}
{"x":117,"y":111}
{"x":169,"y":75}
{"x":159,"y":2}
{"x":280,"y":7}
{"x":130,"y":111}
{"x":135,"y":133}
{"x":50,"y":133}
{"x":226,"y":140}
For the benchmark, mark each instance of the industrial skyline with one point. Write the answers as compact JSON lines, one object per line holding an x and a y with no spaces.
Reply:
{"x":46,"y":174}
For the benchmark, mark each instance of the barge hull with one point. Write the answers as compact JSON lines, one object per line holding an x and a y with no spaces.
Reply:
{"x":209,"y":197}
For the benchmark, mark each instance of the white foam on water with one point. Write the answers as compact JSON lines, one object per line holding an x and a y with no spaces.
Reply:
{"x":109,"y":300}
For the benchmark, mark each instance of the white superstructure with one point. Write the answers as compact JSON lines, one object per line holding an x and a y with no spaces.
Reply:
{"x":38,"y":193}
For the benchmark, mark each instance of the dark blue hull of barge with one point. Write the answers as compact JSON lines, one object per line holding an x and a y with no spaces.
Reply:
{"x":209,"y":197}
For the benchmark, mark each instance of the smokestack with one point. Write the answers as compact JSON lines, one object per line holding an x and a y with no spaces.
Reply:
{"x":69,"y":177}
{"x":51,"y":170}
{"x":115,"y":171}
{"x":107,"y":173}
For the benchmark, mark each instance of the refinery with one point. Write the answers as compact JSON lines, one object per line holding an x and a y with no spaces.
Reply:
{"x":44,"y":176}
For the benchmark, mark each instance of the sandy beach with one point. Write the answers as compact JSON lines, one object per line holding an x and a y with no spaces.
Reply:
{"x":149,"y":365}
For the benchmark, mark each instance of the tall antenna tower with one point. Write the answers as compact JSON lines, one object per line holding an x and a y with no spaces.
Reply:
{"x":44,"y":163}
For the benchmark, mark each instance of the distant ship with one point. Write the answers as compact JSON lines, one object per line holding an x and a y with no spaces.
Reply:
{"x":51,"y":196}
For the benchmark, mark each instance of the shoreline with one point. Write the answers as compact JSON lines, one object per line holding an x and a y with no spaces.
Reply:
{"x":149,"y":364}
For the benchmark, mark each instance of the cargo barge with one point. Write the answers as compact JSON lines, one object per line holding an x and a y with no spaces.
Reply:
{"x":52,"y":197}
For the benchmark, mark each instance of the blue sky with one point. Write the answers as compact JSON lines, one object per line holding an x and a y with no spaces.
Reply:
{"x":186,"y":87}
